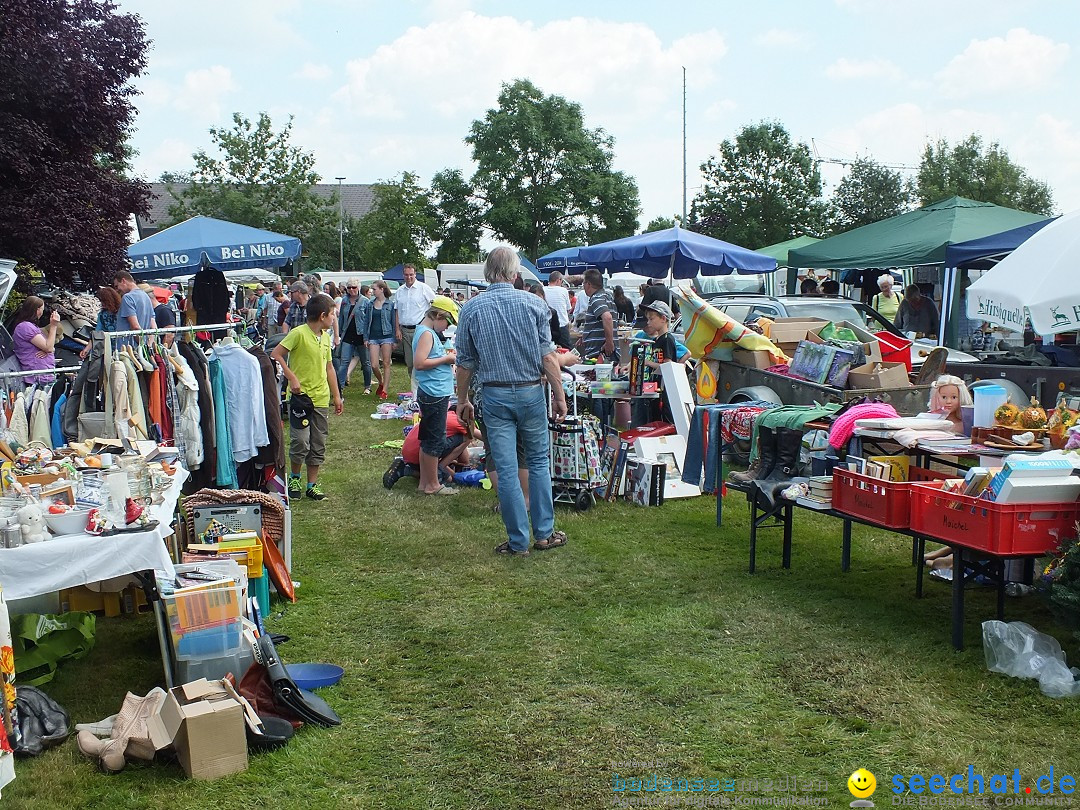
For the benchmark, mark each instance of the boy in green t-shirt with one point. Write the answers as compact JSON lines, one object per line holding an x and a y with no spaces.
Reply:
{"x":305,"y":358}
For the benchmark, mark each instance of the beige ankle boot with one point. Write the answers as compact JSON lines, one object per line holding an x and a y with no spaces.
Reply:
{"x":130,"y":734}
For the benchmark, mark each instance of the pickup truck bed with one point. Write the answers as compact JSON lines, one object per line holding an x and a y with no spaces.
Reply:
{"x":735,"y":378}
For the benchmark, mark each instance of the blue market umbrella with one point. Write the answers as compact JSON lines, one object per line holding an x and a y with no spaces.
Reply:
{"x":682,"y":253}
{"x":565,"y":261}
{"x":184,"y":248}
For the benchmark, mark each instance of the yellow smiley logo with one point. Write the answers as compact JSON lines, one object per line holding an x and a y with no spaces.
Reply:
{"x":862,"y":783}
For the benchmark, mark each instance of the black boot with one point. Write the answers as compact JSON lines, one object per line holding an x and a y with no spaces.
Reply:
{"x":788,"y":445}
{"x":766,"y":459}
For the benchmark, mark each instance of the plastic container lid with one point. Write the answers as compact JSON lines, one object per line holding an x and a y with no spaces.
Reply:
{"x":315,"y":676}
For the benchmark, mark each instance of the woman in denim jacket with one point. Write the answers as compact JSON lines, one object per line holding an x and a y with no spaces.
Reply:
{"x":354,"y":315}
{"x":380,"y":334}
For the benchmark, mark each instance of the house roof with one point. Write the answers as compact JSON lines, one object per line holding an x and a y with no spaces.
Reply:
{"x":356,"y":200}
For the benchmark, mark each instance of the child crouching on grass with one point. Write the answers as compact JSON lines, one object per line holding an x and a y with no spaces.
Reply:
{"x":305,"y":358}
{"x":434,"y":372}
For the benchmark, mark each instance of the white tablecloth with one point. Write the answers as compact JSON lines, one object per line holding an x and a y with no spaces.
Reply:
{"x":79,"y":559}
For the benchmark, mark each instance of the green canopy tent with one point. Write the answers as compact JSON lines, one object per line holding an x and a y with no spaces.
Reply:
{"x":916,"y":238}
{"x":780,"y":252}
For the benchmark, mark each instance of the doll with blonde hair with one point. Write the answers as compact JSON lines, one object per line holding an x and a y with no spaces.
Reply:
{"x":947,"y":394}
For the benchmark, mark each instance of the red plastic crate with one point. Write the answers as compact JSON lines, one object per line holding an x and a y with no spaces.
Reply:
{"x":886,"y":503}
{"x":1000,"y":528}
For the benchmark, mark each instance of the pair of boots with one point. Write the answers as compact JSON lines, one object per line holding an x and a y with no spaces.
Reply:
{"x":127,"y":734}
{"x":777,"y":462}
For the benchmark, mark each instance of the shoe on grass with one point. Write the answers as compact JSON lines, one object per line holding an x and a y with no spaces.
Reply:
{"x":504,"y":548}
{"x":316,"y":493}
{"x":296,"y":487}
{"x":395,"y":472}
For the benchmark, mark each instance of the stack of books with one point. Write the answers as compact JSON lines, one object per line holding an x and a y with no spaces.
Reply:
{"x":820,"y":495}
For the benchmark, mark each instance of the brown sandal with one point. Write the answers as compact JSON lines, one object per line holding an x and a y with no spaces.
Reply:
{"x":557,"y":539}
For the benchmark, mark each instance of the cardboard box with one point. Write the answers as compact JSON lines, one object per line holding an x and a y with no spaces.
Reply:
{"x":646,"y":481}
{"x":756,"y":359}
{"x":204,"y":721}
{"x":878,"y":375}
{"x":792,"y":330}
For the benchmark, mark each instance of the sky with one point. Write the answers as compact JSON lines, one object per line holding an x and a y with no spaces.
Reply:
{"x":378,"y":88}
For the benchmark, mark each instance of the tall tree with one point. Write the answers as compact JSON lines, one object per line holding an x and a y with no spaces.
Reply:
{"x":762,"y":189}
{"x":460,"y":217}
{"x":988,"y":175}
{"x":65,"y":115}
{"x":544,"y":178}
{"x":400,"y":225}
{"x":868,"y":193}
{"x":259,"y":178}
{"x":660,"y":224}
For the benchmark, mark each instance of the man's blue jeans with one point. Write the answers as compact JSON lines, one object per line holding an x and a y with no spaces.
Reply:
{"x":509,"y":413}
{"x":347,"y":352}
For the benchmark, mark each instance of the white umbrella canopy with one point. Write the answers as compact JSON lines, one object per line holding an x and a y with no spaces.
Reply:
{"x":1042,"y":275}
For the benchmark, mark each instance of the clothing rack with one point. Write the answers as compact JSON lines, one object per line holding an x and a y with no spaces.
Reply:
{"x":40,"y":372}
{"x":165,"y":330}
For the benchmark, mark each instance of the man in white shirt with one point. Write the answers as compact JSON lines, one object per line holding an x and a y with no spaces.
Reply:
{"x":411,"y":301}
{"x":559,"y":300}
{"x":581,"y":306}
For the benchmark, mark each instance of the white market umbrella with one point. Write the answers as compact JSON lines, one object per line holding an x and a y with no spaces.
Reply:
{"x":1042,"y":276}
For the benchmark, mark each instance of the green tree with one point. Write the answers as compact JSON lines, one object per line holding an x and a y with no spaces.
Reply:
{"x":868,"y":193}
{"x":259,"y":178}
{"x":544,"y":178}
{"x":762,"y":189}
{"x":660,"y":224}
{"x":66,"y":71}
{"x":460,"y":217}
{"x":988,"y":175}
{"x":400,"y":225}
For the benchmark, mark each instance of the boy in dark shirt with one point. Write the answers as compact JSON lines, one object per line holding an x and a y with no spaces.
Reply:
{"x":658,"y":317}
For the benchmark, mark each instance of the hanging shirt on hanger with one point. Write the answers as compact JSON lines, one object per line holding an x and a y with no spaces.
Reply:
{"x":226,"y":467}
{"x":19,"y":424}
{"x":188,"y":427}
{"x":244,"y":400}
{"x":40,"y":431}
{"x":56,"y":423}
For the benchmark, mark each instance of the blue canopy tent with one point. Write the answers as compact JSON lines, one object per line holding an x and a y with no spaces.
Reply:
{"x":986,"y":251}
{"x":532,"y":268}
{"x":396,"y":273}
{"x":678,"y":252}
{"x":199,"y":241}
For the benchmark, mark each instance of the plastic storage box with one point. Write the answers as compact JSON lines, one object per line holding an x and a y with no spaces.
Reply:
{"x":215,"y":667}
{"x":885,"y":503}
{"x":999,"y":528}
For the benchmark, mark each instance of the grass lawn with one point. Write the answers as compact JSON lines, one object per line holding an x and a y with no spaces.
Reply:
{"x":477,"y":681}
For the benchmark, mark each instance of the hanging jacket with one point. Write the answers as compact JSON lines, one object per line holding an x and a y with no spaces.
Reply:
{"x":204,"y":476}
{"x":210,"y":296}
{"x":19,"y":424}
{"x":273,"y":453}
{"x":56,"y":423}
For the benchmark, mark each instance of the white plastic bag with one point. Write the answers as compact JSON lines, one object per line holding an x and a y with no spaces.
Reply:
{"x":1019,"y":650}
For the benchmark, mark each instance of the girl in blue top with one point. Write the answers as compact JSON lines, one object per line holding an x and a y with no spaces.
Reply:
{"x":433,"y":366}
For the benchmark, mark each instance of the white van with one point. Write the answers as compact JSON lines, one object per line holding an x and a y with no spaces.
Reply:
{"x":461,"y":273}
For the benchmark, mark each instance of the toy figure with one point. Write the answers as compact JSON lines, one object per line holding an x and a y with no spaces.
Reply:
{"x":32,"y":523}
{"x":947,"y":395}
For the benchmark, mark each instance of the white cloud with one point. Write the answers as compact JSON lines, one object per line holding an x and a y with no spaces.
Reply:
{"x":314,"y":72}
{"x":204,"y":90}
{"x":1050,"y":152}
{"x":453,"y":69}
{"x":1019,"y":62}
{"x":720,"y":110}
{"x":844,"y":69}
{"x":783,"y":38}
{"x":171,"y":154}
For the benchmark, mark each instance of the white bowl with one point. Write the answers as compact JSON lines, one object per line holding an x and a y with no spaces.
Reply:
{"x":71,"y":522}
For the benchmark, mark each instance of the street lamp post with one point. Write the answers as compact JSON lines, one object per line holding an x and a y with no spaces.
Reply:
{"x":341,"y":226}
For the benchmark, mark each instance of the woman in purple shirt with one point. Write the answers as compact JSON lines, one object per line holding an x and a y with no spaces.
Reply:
{"x":33,"y":348}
